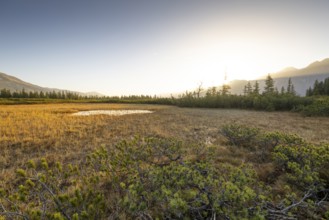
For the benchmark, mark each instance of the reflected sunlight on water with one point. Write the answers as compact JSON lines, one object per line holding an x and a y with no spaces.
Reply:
{"x":111,"y":112}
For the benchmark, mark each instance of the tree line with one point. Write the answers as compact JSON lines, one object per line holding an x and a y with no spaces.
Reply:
{"x":6,"y":93}
{"x":319,"y":88}
{"x":269,"y":88}
{"x":252,"y":98}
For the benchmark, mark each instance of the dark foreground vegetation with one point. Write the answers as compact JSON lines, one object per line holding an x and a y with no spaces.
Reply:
{"x":157,"y":178}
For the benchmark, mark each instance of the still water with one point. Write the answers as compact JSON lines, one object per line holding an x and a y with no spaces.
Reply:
{"x":111,"y":112}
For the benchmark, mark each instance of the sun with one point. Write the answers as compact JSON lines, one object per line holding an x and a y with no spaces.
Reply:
{"x":240,"y":70}
{"x":218,"y":65}
{"x":233,"y":65}
{"x":239,"y":57}
{"x":226,"y":69}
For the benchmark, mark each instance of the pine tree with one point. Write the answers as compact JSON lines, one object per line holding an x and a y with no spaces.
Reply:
{"x":269,"y":86}
{"x":245,"y":90}
{"x":248,"y":89}
{"x":225,"y":89}
{"x":291,"y":88}
{"x":199,"y":90}
{"x":316,"y":88}
{"x":212,"y":91}
{"x":326,"y":86}
{"x":256,"y":88}
{"x":293,"y":92}
{"x":5,"y":93}
{"x":309,"y":92}
{"x":321,"y":88}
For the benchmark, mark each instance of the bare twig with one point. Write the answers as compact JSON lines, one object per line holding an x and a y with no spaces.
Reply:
{"x":307,"y":195}
{"x":14,"y":214}
{"x":58,"y":203}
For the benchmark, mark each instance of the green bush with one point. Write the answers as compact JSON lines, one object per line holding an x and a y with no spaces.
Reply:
{"x":240,"y":135}
{"x":262,"y":143}
{"x":53,"y":191}
{"x":155,"y":178}
{"x":268,"y":141}
{"x":303,"y":162}
{"x":319,"y":108}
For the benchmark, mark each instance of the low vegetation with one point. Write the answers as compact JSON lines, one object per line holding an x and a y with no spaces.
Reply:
{"x":320,"y":107}
{"x":184,"y":163}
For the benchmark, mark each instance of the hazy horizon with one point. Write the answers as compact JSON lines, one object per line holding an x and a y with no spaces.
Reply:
{"x":157,"y":47}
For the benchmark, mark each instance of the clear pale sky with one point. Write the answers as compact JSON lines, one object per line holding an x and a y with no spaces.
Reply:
{"x":157,"y":46}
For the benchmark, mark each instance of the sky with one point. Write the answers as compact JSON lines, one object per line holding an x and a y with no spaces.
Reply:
{"x":154,"y":47}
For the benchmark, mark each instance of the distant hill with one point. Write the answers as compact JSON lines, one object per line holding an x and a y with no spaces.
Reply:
{"x":302,"y":79}
{"x":94,"y":94}
{"x":315,"y":68}
{"x":14,"y":84}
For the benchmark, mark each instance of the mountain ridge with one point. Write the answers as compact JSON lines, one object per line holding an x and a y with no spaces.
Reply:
{"x":15,"y":84}
{"x":314,"y":68}
{"x":302,"y":78}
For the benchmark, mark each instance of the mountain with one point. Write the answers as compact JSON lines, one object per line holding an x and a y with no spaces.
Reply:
{"x":93,"y":94}
{"x":315,"y":68}
{"x":302,"y":79}
{"x":14,"y":84}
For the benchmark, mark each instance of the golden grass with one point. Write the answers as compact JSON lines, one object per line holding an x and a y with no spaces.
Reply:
{"x":50,"y":130}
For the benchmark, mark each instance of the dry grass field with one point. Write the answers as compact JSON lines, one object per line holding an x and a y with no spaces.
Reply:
{"x":50,"y":131}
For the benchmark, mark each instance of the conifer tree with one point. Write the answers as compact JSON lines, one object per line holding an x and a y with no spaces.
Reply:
{"x":247,"y":89}
{"x":269,"y":86}
{"x":256,"y":88}
{"x":289,"y":87}
{"x":225,"y":89}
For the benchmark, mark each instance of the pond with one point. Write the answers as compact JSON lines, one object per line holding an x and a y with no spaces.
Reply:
{"x":111,"y":112}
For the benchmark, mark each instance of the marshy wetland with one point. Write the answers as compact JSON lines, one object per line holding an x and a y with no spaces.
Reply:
{"x":52,"y":132}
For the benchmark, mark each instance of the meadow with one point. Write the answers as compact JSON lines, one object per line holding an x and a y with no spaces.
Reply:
{"x":50,"y":132}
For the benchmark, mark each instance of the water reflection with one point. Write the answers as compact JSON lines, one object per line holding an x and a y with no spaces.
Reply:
{"x":111,"y":112}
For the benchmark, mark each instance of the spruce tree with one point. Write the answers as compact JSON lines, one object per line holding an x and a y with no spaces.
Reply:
{"x":291,"y":88}
{"x":256,"y":88}
{"x":225,"y":89}
{"x":269,"y":86}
